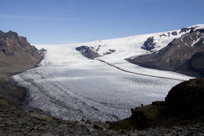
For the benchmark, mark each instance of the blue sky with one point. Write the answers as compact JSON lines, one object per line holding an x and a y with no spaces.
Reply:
{"x":67,"y":21}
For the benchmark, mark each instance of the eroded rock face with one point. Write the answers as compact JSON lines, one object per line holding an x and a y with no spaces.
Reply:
{"x":16,"y":53}
{"x":187,"y":98}
{"x":149,"y":44}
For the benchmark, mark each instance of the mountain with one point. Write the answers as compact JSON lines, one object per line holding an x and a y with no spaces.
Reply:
{"x":133,"y":45}
{"x":67,"y":85}
{"x":16,"y":54}
{"x":183,"y":55}
{"x":178,"y":50}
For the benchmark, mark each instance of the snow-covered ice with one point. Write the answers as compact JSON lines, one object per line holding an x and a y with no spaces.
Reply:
{"x":70,"y":86}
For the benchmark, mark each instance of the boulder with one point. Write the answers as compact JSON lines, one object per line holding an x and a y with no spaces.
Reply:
{"x":187,"y":98}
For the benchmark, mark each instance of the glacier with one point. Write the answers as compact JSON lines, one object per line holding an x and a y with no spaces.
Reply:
{"x":67,"y":85}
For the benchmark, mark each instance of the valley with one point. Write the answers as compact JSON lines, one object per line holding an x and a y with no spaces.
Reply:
{"x":70,"y":86}
{"x":101,"y":68}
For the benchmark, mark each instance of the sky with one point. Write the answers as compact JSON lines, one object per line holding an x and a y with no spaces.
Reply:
{"x":68,"y":21}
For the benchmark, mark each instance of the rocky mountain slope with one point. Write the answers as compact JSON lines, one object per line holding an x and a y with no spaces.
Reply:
{"x":133,"y":45}
{"x":16,"y":54}
{"x":184,"y":55}
{"x":179,"y":50}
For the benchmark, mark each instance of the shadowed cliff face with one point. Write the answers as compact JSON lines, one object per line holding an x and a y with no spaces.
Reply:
{"x":183,"y":55}
{"x":16,"y":54}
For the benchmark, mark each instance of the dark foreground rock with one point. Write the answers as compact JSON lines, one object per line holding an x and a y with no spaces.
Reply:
{"x":12,"y":93}
{"x":156,"y":119}
{"x":15,"y":121}
{"x":187,"y":99}
{"x":184,"y":106}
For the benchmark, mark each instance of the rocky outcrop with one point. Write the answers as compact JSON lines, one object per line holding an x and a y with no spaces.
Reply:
{"x":149,"y":44}
{"x":174,"y":33}
{"x":87,"y":52}
{"x":183,"y":55}
{"x":186,"y":99}
{"x":182,"y":106}
{"x":16,"y":54}
{"x":12,"y":93}
{"x":92,"y":52}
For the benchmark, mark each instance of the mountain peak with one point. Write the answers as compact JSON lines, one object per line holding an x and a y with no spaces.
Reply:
{"x":16,"y":52}
{"x":9,"y":34}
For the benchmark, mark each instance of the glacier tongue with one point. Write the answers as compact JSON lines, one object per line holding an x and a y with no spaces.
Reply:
{"x":70,"y":86}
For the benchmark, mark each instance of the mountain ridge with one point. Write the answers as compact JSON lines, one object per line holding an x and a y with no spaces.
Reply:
{"x":16,"y":53}
{"x":179,"y":55}
{"x":129,"y":48}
